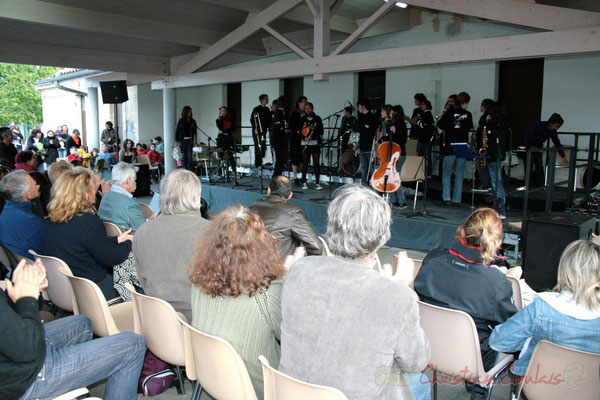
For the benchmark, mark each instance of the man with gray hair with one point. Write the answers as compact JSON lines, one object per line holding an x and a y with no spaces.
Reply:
{"x":164,"y":246}
{"x":343,"y":323}
{"x":286,"y":221}
{"x":118,"y":205}
{"x":20,"y":229}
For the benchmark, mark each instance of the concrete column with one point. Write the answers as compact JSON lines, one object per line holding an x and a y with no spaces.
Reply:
{"x":169,"y":123}
{"x":91,"y":119}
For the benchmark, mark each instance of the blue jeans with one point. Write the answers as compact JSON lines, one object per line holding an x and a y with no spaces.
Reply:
{"x":365,"y":161}
{"x":74,"y":360}
{"x":458,"y":164}
{"x":398,"y":195}
{"x":495,"y":170}
{"x":186,"y":148}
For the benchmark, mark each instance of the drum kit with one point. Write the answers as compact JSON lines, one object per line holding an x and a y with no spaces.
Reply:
{"x":350,"y":160}
{"x":214,"y":157}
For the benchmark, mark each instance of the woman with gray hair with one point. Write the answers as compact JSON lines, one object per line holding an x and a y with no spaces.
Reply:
{"x":568,"y":316}
{"x":118,"y":205}
{"x":343,"y":323}
{"x":164,"y":246}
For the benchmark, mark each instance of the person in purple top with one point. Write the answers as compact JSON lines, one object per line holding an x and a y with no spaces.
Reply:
{"x":536,"y":137}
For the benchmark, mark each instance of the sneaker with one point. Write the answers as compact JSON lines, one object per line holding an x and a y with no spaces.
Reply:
{"x":402,"y":206}
{"x":318,"y":187}
{"x":304,"y":186}
{"x":446,"y":203}
{"x":502,"y":216}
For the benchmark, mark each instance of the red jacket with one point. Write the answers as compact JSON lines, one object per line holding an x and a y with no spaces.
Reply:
{"x":154,"y":156}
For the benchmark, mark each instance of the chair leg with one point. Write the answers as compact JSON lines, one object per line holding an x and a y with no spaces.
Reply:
{"x":416,"y":196}
{"x":180,"y":385}
{"x":434,"y":391}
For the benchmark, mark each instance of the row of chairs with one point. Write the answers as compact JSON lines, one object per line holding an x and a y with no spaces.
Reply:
{"x":215,"y":365}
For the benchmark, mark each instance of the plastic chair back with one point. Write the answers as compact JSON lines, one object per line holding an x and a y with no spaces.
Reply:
{"x":143,"y":159}
{"x":156,"y":320}
{"x":576,"y":374}
{"x":218,"y":367}
{"x":147,"y":211}
{"x":59,"y":288}
{"x":89,"y":301}
{"x":112,"y":229}
{"x":279,"y":386}
{"x":326,"y":251}
{"x":517,"y":296}
{"x":453,"y":341}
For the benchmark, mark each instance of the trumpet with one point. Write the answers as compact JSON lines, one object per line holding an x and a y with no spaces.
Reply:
{"x":259,"y":131}
{"x":483,"y":151}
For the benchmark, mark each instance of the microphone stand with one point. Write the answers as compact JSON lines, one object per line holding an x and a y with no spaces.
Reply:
{"x":210,"y":174}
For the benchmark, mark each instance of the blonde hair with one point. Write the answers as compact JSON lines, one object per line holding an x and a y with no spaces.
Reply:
{"x":55,"y":170}
{"x":71,"y":195}
{"x":483,"y":229}
{"x":579,"y":273}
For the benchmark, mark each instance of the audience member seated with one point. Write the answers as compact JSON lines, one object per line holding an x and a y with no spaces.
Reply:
{"x":20,"y":229}
{"x":236,"y":288}
{"x":8,"y":151}
{"x":109,"y":157}
{"x":164,"y":246}
{"x":4,"y":170}
{"x":128,"y":153}
{"x":155,"y":158}
{"x":463,"y":277}
{"x":345,"y":325}
{"x":102,"y":170}
{"x":139,"y":148}
{"x":46,"y":360}
{"x":568,"y":316}
{"x":74,"y":155}
{"x":160,"y":146}
{"x":78,"y":237}
{"x":286,"y":221}
{"x":118,"y":205}
{"x":26,"y":161}
{"x":54,"y":172}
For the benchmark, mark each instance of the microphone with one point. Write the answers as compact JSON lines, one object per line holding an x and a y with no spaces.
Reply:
{"x":353,"y":109}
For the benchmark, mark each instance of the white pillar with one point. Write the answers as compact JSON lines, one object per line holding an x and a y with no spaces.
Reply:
{"x":92,"y":121}
{"x":169,"y":123}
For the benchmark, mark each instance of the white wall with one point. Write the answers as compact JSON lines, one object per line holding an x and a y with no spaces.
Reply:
{"x":331,"y":95}
{"x":205,"y":102}
{"x":150,"y":113}
{"x":250,"y":92}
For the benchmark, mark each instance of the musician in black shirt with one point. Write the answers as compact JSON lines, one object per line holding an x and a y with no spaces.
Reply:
{"x":260,"y":119}
{"x":417,"y":115}
{"x":347,"y":127}
{"x":454,"y":127}
{"x":367,"y":128}
{"x":484,"y":176}
{"x":225,"y":140}
{"x":278,"y":136}
{"x":312,"y":126}
{"x":426,"y":132}
{"x":295,"y":127}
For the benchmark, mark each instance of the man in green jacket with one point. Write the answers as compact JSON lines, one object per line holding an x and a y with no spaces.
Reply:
{"x":118,"y":205}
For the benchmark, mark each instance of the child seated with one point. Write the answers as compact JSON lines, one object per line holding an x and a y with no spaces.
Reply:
{"x":74,"y":154}
{"x":102,"y":169}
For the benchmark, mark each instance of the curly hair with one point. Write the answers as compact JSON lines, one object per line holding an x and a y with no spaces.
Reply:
{"x":73,"y":193}
{"x":237,"y":255}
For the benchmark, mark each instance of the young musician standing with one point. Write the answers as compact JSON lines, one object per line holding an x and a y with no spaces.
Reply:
{"x":260,"y":119}
{"x":347,"y":127}
{"x":278,"y":136}
{"x":415,"y":130}
{"x":484,"y":175}
{"x":225,"y":138}
{"x":427,"y":130}
{"x":454,"y":127}
{"x":185,"y":135}
{"x":536,"y":136}
{"x":496,"y":149}
{"x":295,"y":127}
{"x":399,"y":135}
{"x":311,"y":144}
{"x":367,"y":128}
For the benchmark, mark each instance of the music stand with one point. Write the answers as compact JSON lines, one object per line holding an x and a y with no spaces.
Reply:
{"x":462,"y":150}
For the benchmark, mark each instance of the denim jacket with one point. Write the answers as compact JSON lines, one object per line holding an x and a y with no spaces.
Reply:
{"x":541,"y":321}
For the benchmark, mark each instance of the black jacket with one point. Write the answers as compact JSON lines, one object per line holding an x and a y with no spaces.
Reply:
{"x":456,"y":278}
{"x":415,"y":129}
{"x":278,"y":128}
{"x":497,"y":140}
{"x":8,"y":153}
{"x":184,"y":130}
{"x":367,"y":127}
{"x":264,"y":115}
{"x":22,"y":348}
{"x":456,"y":123}
{"x":426,"y":127}
{"x":348,"y":125}
{"x":51,"y":144}
{"x":287,"y":224}
{"x":83,"y":244}
{"x":72,"y":143}
{"x":316,"y":124}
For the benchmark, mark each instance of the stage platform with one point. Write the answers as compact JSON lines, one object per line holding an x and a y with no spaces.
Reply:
{"x":422,"y":233}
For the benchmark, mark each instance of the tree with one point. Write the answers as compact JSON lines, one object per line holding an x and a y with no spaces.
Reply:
{"x":19,"y":100}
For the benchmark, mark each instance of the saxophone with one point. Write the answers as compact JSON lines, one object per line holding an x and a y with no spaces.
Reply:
{"x":483,"y":151}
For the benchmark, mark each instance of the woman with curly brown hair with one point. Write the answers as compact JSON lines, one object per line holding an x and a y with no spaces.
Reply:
{"x":236,"y":277}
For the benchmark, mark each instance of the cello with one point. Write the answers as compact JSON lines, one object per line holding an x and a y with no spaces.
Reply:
{"x":386,"y":178}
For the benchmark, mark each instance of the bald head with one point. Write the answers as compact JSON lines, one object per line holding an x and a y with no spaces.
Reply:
{"x":281,"y":186}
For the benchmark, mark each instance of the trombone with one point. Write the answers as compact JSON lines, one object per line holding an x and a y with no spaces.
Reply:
{"x":259,"y":131}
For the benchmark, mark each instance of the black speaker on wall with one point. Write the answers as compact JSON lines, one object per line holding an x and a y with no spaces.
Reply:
{"x":114,"y":92}
{"x":547,"y":235}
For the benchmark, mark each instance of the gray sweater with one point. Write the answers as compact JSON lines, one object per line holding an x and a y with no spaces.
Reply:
{"x":346,"y":326}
